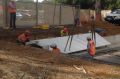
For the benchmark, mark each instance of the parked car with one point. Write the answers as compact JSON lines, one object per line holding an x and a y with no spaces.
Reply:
{"x":19,"y":15}
{"x":27,"y":13}
{"x":113,"y":17}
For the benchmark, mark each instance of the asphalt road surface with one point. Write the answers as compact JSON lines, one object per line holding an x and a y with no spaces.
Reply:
{"x":110,"y":54}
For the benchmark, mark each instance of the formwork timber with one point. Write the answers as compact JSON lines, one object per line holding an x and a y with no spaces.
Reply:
{"x":79,"y":42}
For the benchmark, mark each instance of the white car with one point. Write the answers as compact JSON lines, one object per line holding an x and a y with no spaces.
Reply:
{"x":19,"y":15}
{"x":113,"y":17}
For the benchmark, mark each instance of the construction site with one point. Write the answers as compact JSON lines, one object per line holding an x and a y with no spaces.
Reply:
{"x":36,"y":60}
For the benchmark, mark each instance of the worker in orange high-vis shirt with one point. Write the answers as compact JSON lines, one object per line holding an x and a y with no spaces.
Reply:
{"x":55,"y":49}
{"x":24,"y":37}
{"x":12,"y":11}
{"x":91,"y":47}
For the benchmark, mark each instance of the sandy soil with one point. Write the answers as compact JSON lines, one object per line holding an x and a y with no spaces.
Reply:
{"x":33,"y":63}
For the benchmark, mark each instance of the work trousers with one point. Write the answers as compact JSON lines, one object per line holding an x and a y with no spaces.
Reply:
{"x":13,"y":20}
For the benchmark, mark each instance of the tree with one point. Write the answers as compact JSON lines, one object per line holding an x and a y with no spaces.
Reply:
{"x":83,"y":3}
{"x":105,"y":4}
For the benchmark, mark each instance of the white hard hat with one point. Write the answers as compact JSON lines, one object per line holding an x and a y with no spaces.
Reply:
{"x":27,"y":31}
{"x":88,"y":38}
{"x":53,"y":45}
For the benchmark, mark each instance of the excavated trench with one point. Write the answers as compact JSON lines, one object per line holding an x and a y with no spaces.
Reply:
{"x":11,"y":35}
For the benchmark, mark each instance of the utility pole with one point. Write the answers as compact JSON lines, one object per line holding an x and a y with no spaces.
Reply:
{"x":54,"y":13}
{"x":60,"y":16}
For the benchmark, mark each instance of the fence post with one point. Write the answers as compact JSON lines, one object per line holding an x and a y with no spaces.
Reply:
{"x":60,"y":16}
{"x":5,"y":14}
{"x":37,"y":13}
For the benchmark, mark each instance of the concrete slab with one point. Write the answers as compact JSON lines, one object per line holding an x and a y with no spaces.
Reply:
{"x":79,"y":43}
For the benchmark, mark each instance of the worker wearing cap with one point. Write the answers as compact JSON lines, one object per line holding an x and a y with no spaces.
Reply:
{"x":91,"y":47}
{"x":12,"y":11}
{"x":24,"y":37}
{"x":64,"y":31}
{"x":55,"y":49}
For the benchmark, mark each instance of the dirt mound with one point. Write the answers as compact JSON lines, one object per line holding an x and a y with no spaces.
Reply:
{"x":110,"y":29}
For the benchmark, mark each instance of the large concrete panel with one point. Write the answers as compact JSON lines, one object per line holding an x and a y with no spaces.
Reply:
{"x":79,"y":42}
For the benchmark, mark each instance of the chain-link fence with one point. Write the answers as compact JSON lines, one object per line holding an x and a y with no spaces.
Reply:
{"x":52,"y":14}
{"x":31,"y":14}
{"x":26,"y":14}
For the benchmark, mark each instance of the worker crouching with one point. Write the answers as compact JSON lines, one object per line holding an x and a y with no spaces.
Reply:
{"x":24,"y":37}
{"x":91,"y":47}
{"x":64,"y":31}
{"x":55,"y":49}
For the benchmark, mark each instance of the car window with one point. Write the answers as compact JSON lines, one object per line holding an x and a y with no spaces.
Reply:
{"x":116,"y":12}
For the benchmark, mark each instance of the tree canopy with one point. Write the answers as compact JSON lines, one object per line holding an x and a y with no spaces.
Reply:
{"x":85,"y":4}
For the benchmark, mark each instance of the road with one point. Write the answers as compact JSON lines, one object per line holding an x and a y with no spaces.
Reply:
{"x":110,"y":58}
{"x":110,"y":54}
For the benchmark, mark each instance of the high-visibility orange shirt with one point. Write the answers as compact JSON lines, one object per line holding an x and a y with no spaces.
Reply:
{"x":12,"y":7}
{"x":23,"y":38}
{"x":56,"y":50}
{"x":92,"y":49}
